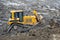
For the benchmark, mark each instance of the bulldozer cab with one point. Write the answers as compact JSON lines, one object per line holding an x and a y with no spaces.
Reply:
{"x":17,"y":15}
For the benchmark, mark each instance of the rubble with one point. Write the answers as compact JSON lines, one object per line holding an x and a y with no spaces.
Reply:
{"x":51,"y":19}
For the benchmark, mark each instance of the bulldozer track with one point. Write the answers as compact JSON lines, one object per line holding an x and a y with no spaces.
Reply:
{"x":37,"y":26}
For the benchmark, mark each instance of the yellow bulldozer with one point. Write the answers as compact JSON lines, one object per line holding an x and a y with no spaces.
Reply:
{"x":25,"y":22}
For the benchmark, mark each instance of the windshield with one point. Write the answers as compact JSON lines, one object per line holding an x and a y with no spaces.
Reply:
{"x":18,"y":14}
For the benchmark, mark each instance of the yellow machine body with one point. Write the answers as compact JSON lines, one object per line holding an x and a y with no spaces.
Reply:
{"x":31,"y":20}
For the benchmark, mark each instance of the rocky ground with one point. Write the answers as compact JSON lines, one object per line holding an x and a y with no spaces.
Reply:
{"x":51,"y":18}
{"x":41,"y":34}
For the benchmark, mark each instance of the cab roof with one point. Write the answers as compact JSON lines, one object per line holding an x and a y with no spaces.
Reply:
{"x":16,"y":11}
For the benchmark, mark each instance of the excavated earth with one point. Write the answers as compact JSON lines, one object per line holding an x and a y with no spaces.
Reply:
{"x":40,"y":34}
{"x":34,"y":34}
{"x":46,"y":33}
